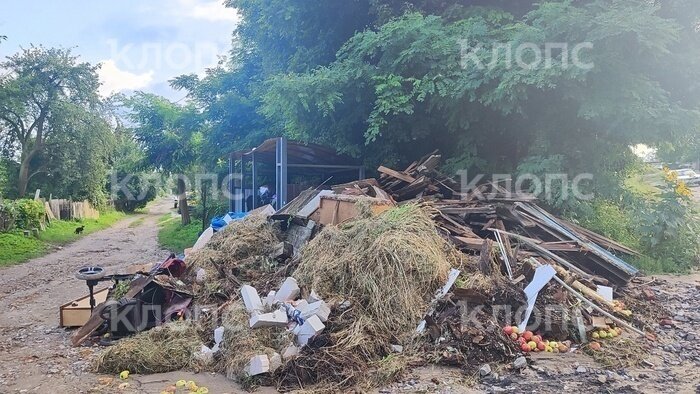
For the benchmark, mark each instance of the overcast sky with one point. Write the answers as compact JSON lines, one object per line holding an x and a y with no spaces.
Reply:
{"x":141,"y":44}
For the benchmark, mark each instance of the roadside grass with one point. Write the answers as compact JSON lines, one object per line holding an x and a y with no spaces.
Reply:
{"x":15,"y":248}
{"x":175,"y":237}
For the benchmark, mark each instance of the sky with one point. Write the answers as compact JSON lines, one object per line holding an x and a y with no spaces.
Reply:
{"x":140,"y":44}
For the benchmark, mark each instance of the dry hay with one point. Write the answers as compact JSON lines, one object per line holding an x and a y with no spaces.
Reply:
{"x":241,"y":343}
{"x":388,"y":268}
{"x":350,"y":353}
{"x":253,"y":235}
{"x":170,"y":347}
{"x":389,"y":265}
{"x":237,"y":253}
{"x":618,"y":352}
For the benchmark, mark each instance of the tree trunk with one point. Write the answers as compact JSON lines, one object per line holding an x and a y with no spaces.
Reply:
{"x":182,"y":198}
{"x":23,"y":178}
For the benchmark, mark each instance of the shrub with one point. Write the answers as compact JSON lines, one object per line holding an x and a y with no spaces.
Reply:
{"x":611,"y":220}
{"x":8,"y":216}
{"x":669,"y":226}
{"x":29,"y":213}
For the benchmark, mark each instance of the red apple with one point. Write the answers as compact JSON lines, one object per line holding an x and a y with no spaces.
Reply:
{"x":508,"y":330}
{"x":527,"y":335}
{"x":525,"y":347}
{"x":541,"y":345}
{"x":537,"y":338}
{"x":513,"y":336}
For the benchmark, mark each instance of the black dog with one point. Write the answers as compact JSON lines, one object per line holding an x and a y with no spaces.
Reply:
{"x":79,"y":230}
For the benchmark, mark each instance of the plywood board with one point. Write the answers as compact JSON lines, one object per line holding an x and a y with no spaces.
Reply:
{"x":77,"y":312}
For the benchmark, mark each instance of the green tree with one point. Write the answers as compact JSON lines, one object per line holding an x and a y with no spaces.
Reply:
{"x":171,"y":136}
{"x":39,"y":90}
{"x":407,"y":86}
{"x":132,"y":179}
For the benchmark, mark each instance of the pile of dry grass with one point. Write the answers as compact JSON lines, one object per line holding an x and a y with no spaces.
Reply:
{"x":170,"y":347}
{"x":388,"y":267}
{"x":239,"y":252}
{"x":241,"y":343}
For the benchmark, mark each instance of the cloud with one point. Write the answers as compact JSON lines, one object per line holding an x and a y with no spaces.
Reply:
{"x":115,"y":80}
{"x":213,"y":11}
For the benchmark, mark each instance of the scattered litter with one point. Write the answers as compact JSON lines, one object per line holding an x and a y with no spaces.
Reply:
{"x":326,"y":293}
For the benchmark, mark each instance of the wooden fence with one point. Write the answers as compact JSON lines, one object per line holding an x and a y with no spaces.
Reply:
{"x":69,"y":210}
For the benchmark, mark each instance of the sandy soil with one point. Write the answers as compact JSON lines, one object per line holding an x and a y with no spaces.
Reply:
{"x":36,"y":356}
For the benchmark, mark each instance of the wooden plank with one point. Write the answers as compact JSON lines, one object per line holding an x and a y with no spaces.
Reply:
{"x":429,"y":164}
{"x":471,"y":243}
{"x":396,"y":174}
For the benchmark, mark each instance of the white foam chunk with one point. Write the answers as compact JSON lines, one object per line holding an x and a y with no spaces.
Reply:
{"x":289,"y":291}
{"x":251,"y":299}
{"x":318,"y":308}
{"x":258,"y":365}
{"x":277,"y":318}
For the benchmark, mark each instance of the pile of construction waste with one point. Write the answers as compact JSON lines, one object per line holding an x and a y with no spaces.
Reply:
{"x":350,"y":286}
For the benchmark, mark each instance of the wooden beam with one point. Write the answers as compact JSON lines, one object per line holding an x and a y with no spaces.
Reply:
{"x":396,"y":174}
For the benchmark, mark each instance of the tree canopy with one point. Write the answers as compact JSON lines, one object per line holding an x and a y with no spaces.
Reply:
{"x":48,"y":106}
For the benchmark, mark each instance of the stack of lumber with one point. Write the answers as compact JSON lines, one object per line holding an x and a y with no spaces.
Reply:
{"x":520,"y":228}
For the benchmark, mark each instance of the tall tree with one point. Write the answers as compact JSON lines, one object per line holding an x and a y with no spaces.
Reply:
{"x":171,"y":135}
{"x":39,"y":87}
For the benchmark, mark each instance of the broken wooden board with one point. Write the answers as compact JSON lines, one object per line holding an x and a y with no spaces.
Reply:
{"x":335,"y":209}
{"x":396,"y":174}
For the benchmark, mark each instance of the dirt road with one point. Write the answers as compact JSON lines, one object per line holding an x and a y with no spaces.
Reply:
{"x":36,"y":356}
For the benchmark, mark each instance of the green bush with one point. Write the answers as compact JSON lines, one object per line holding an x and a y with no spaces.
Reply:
{"x":29,"y":213}
{"x":8,"y":216}
{"x":670,"y":227}
{"x":611,"y":220}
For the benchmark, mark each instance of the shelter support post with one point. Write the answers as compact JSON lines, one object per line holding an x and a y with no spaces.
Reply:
{"x":281,"y":172}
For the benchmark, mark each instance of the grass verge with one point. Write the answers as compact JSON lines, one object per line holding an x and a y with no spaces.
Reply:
{"x":175,"y":237}
{"x":15,"y":248}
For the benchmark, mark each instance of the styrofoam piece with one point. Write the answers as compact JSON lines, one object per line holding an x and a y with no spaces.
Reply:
{"x":275,"y":362}
{"x":290,"y":351}
{"x":203,"y":239}
{"x":218,"y":335}
{"x":289,"y":290}
{"x":251,"y":299}
{"x":318,"y":308}
{"x":270,"y":299}
{"x":277,"y":318}
{"x":311,"y":327}
{"x":258,"y":365}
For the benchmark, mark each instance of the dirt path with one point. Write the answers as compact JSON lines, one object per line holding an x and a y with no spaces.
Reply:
{"x":35,"y":354}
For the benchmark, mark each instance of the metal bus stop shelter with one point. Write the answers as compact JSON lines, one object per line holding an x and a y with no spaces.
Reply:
{"x":289,"y":157}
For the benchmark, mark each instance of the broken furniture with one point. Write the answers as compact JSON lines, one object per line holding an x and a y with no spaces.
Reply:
{"x":77,"y":312}
{"x":150,"y":300}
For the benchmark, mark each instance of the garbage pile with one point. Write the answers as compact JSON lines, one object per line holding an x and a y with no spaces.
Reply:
{"x":347,"y":287}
